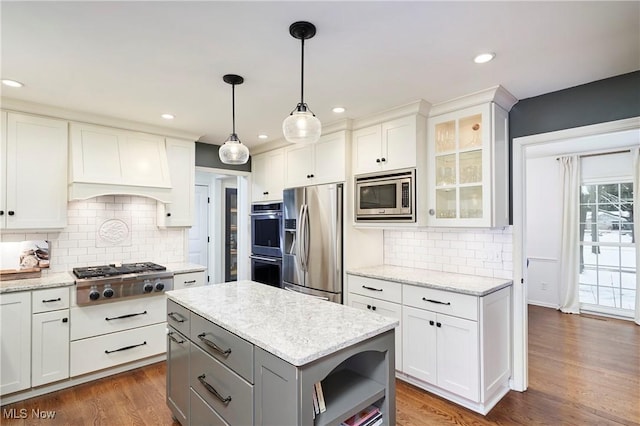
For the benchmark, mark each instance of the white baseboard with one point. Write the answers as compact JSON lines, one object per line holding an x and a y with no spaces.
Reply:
{"x":543,"y":304}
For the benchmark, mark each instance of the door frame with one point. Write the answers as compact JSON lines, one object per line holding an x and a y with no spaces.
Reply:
{"x":519,"y":157}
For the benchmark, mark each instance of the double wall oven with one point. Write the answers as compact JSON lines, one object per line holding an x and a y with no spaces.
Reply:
{"x":266,"y":243}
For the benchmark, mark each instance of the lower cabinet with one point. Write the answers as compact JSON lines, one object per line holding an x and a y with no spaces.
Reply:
{"x":50,"y":347}
{"x":188,"y":280}
{"x":15,"y":339}
{"x":178,"y":375}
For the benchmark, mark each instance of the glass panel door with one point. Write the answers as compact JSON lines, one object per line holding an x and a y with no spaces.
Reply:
{"x":230,"y":234}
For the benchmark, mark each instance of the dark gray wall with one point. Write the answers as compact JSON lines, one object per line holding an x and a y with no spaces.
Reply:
{"x":611,"y":99}
{"x":207,"y":156}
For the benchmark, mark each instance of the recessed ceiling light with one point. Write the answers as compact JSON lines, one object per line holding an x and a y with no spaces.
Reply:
{"x":263,"y":136}
{"x":168,"y":116}
{"x":484,"y":58}
{"x":338,"y":110}
{"x":12,"y":83}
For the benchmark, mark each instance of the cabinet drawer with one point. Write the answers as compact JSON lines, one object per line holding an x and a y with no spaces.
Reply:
{"x":50,"y":299}
{"x":231,"y":350}
{"x":188,"y":280}
{"x":446,"y":302}
{"x":100,"y":352}
{"x":178,"y":317}
{"x":202,"y":414}
{"x":111,"y":317}
{"x":380,"y":289}
{"x":208,"y":376}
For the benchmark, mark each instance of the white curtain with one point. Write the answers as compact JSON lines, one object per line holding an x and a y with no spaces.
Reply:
{"x":635,"y":153}
{"x":570,"y":249}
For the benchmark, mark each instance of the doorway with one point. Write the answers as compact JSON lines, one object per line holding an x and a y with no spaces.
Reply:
{"x":604,"y":136}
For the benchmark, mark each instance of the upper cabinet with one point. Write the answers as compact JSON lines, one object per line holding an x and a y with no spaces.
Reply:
{"x":390,"y":145}
{"x":109,"y":160}
{"x":33,"y":172}
{"x":267,"y":176}
{"x":468,"y":161}
{"x":182,"y":159}
{"x":318,"y":163}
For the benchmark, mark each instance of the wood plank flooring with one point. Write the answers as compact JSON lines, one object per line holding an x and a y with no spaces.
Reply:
{"x":583,"y":370}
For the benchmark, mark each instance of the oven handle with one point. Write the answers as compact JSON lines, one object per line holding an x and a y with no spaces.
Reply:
{"x":266,"y":214}
{"x":267,"y":259}
{"x":126,"y":316}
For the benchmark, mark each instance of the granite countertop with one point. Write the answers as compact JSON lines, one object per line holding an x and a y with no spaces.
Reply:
{"x":297,"y":328}
{"x":448,"y":281}
{"x":56,"y":279}
{"x":183,"y":268}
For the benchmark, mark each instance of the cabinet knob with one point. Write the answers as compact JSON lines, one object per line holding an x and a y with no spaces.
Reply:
{"x":368,"y":306}
{"x":65,"y":319}
{"x":308,"y":176}
{"x":431,"y":322}
{"x":377,"y":160}
{"x":373,"y":308}
{"x":1,"y":212}
{"x":438,"y":324}
{"x":265,"y":193}
{"x":432,"y":212}
{"x":383,"y":159}
{"x":11,"y":212}
{"x":168,"y":214}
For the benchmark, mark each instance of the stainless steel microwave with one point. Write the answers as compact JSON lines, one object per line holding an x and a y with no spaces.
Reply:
{"x":386,"y":197}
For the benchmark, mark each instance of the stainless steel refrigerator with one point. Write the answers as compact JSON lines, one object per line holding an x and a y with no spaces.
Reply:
{"x":312,"y":257}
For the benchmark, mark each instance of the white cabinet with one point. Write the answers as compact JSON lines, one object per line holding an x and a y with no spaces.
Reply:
{"x":181,"y":155}
{"x":391,"y":145}
{"x":381,"y":297}
{"x":50,"y":336}
{"x":315,"y":164}
{"x":468,"y":162}
{"x":267,"y":176}
{"x":15,"y":341}
{"x":188,"y":280}
{"x":33,"y":172}
{"x":457,"y":345}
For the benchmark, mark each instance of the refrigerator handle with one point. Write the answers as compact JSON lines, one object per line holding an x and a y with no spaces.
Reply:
{"x":307,"y":238}
{"x":300,"y":237}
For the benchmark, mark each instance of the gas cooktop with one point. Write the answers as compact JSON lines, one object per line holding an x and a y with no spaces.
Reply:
{"x":113,"y":270}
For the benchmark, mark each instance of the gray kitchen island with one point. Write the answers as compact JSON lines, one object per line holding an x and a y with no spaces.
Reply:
{"x":244,"y":353}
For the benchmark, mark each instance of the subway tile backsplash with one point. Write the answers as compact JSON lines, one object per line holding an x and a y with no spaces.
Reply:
{"x":484,"y":252}
{"x":110,"y":229}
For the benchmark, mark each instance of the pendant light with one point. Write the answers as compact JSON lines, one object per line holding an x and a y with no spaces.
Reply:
{"x":302,"y":125}
{"x":233,"y":151}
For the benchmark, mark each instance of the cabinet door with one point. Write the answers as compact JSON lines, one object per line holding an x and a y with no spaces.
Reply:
{"x":178,"y":375}
{"x":15,"y":339}
{"x":329,"y":159}
{"x":419,"y":337}
{"x":367,"y":149}
{"x":182,"y":156}
{"x":399,"y":143}
{"x":299,"y":170}
{"x":36,"y":172}
{"x":267,"y":176}
{"x":387,"y":309}
{"x":50,"y":347}
{"x":458,"y":356}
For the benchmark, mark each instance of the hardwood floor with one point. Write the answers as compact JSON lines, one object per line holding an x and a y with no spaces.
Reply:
{"x":583,"y":370}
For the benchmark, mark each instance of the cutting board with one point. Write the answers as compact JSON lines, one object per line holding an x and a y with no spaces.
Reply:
{"x":19,"y":274}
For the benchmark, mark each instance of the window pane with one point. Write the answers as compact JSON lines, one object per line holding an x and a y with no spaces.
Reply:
{"x":608,"y":193}
{"x":607,"y":296}
{"x":628,"y":258}
{"x":590,"y":255}
{"x":609,"y":258}
{"x":608,"y":278}
{"x":588,"y":294}
{"x":626,"y":191}
{"x":589,"y":275}
{"x":588,"y":194}
{"x":628,"y":299}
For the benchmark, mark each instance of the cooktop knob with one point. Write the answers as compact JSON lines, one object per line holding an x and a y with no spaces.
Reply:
{"x":148,"y":287}
{"x":159,"y":286}
{"x":108,"y":292}
{"x":94,"y":295}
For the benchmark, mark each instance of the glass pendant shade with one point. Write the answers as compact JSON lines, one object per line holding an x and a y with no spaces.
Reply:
{"x":301,"y":126}
{"x":233,"y":151}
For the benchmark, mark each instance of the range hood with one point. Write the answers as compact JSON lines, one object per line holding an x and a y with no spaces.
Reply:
{"x":108,"y":161}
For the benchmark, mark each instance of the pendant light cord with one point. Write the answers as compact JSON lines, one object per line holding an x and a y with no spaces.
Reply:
{"x":302,"y":75}
{"x":233,"y":107}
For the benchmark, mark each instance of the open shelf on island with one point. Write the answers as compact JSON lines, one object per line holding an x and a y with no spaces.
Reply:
{"x":346,"y":393}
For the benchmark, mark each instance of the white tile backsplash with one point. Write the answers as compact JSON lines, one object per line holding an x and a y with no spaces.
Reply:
{"x":75,"y":246}
{"x":484,"y":252}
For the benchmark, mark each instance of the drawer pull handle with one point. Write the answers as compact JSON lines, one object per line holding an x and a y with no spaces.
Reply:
{"x":211,"y":389}
{"x":176,"y":317}
{"x":174,"y":339}
{"x":125,"y":316}
{"x":436,"y":301}
{"x":371,"y":288}
{"x":125,"y":348}
{"x":52,"y":300}
{"x":213,"y":345}
{"x":190,"y":282}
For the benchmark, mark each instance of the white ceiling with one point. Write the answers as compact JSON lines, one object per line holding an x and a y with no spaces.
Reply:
{"x":136,"y":60}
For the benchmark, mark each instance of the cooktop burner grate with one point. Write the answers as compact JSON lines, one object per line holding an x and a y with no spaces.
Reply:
{"x":113,"y":270}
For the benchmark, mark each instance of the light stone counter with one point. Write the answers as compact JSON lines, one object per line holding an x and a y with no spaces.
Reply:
{"x":458,"y":283}
{"x":58,"y":279}
{"x":181,"y":268}
{"x":294,"y":327}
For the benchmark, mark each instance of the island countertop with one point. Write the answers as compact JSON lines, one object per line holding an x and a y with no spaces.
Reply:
{"x":295,"y":327}
{"x":448,"y":281}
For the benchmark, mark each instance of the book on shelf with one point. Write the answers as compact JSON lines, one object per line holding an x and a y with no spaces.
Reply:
{"x":316,"y":407}
{"x":366,"y":417}
{"x":322,"y":405}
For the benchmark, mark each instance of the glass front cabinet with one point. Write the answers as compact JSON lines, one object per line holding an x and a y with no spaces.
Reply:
{"x":468,"y":167}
